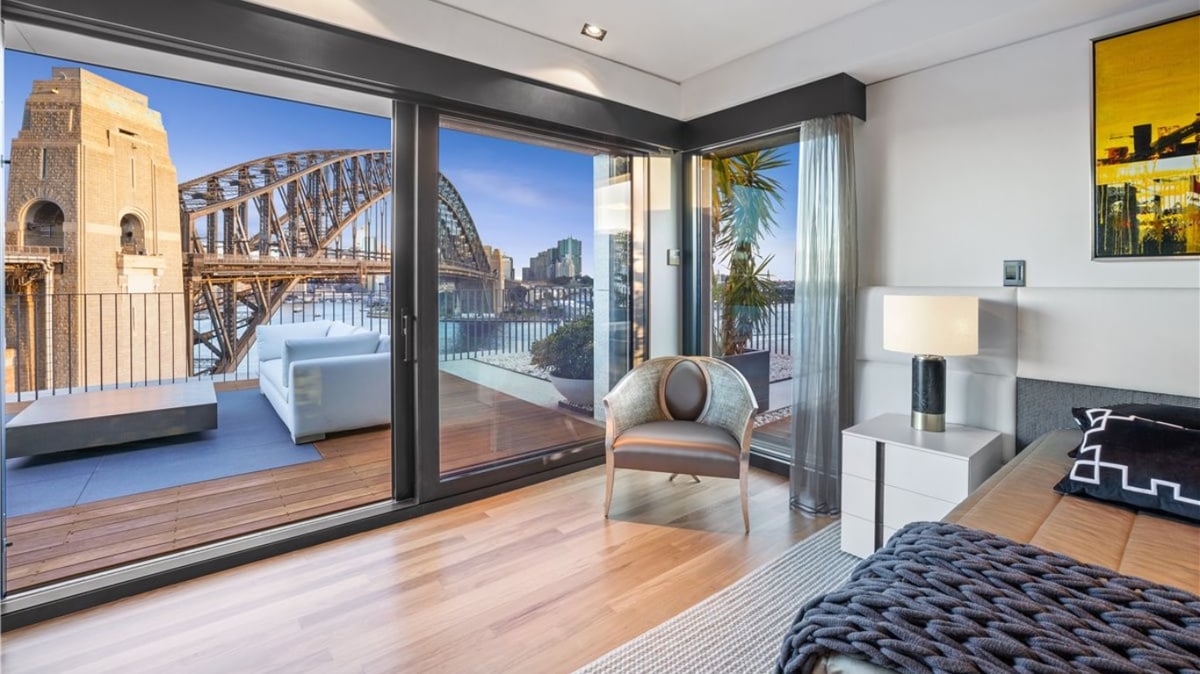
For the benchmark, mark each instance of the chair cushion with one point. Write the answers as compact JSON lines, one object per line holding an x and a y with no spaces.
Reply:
{"x":678,"y":447}
{"x":685,"y":391}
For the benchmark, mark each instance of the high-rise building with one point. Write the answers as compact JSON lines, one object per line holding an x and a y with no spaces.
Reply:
{"x":565,"y":260}
{"x":571,"y":249}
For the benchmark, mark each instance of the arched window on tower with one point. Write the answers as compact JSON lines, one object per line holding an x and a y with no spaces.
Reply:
{"x":133,"y":239}
{"x":44,"y":225}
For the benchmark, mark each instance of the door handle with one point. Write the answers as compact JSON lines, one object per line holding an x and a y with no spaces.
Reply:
{"x":408,"y":329}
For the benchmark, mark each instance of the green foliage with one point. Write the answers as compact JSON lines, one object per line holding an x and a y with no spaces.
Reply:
{"x":746,"y":199}
{"x":567,"y":352}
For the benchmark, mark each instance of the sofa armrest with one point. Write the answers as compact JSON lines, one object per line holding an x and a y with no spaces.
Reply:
{"x":340,"y":393}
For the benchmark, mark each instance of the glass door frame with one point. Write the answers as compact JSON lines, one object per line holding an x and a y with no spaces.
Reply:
{"x":430,"y":483}
{"x":697,"y":240}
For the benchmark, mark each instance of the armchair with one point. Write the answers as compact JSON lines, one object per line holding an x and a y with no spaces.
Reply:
{"x":681,"y":414}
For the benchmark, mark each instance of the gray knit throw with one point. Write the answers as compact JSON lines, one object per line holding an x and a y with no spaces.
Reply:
{"x":946,"y":598}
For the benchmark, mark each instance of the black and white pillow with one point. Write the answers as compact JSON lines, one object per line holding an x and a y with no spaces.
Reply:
{"x":1141,"y":463}
{"x":1179,"y":415}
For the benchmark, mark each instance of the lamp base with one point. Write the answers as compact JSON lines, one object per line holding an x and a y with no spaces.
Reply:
{"x":923,"y":421}
{"x":929,"y":393}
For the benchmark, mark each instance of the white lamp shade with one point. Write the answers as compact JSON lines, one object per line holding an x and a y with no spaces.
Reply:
{"x":931,"y":324}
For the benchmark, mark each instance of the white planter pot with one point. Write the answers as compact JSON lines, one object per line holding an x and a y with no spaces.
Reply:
{"x":578,"y":392}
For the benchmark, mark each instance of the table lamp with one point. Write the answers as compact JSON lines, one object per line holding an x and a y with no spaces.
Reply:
{"x":930,"y":327}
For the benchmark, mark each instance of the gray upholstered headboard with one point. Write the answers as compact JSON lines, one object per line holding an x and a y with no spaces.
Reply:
{"x":1044,"y":406}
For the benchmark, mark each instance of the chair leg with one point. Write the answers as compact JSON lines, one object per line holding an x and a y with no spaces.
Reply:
{"x":608,"y":488}
{"x":745,"y":501}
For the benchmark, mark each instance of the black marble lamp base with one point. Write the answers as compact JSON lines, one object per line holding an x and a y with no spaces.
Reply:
{"x":929,"y":393}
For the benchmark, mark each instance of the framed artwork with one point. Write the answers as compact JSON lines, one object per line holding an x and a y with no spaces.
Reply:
{"x":1146,"y":127}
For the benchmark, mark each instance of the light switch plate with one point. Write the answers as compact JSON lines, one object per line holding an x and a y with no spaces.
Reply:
{"x":1014,"y":272}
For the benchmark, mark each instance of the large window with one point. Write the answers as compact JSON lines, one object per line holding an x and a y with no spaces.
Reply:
{"x":197,"y":315}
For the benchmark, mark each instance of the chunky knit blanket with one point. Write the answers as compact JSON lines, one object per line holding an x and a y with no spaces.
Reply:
{"x":946,"y":598}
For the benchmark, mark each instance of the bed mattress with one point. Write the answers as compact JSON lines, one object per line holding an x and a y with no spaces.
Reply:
{"x":1020,"y":503}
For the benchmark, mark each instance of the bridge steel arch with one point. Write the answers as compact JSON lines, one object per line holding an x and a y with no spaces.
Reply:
{"x":255,"y":230}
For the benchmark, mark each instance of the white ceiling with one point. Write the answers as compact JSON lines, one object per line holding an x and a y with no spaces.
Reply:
{"x":686,"y":58}
{"x":673,"y":39}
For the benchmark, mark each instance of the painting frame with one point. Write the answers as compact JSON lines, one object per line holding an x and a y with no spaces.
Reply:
{"x":1145,"y":143}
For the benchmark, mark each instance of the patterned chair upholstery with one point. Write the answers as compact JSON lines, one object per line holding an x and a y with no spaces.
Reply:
{"x":689,"y":415}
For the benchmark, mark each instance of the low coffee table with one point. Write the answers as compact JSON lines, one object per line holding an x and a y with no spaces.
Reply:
{"x":61,"y":423}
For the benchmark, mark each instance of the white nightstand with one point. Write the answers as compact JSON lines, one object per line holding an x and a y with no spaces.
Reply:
{"x":893,"y":475}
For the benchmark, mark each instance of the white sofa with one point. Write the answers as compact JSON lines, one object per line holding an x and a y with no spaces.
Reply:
{"x":325,"y":376}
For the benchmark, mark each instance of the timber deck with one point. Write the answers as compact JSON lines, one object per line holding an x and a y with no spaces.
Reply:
{"x":479,"y":426}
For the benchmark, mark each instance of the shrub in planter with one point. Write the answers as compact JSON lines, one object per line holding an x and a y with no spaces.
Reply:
{"x":566,"y":352}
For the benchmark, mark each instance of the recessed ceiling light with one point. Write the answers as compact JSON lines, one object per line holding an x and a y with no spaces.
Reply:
{"x":593,"y":31}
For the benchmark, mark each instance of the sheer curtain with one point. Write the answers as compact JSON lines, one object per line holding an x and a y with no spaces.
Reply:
{"x":826,"y":280}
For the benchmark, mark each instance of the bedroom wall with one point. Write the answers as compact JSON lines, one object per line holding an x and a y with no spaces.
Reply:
{"x":987,"y":158}
{"x":969,"y":163}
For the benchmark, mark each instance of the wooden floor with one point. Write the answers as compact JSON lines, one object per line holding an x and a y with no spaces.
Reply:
{"x":535,"y":580}
{"x":479,"y":425}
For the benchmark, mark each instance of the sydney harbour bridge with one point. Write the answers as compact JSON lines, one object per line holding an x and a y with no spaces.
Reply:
{"x":255,"y":231}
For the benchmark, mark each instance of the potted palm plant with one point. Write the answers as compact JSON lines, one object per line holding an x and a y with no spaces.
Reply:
{"x":745,"y":198}
{"x":566,"y":354}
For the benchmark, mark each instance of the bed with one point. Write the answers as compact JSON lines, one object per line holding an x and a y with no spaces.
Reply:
{"x":1019,"y":507}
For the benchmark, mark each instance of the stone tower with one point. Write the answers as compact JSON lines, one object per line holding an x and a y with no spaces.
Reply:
{"x":92,"y":191}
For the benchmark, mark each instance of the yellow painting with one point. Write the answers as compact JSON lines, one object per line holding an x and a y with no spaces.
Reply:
{"x":1147,"y":154}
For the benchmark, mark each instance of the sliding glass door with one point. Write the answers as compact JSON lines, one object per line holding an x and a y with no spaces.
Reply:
{"x":197,"y":322}
{"x":535,"y":282}
{"x":747,"y":215}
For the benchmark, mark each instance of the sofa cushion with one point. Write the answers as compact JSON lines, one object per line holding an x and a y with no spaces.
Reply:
{"x":325,"y":347}
{"x":678,"y":447}
{"x":272,"y":337}
{"x":340,"y":329}
{"x":271,"y":372}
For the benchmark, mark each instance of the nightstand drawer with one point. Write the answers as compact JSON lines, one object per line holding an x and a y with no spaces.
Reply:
{"x":901,"y":507}
{"x":858,"y":536}
{"x":858,"y":457}
{"x":858,"y":497}
{"x":932,"y":474}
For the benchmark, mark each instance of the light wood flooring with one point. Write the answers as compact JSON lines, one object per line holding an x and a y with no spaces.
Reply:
{"x":534,"y":580}
{"x":479,"y":425}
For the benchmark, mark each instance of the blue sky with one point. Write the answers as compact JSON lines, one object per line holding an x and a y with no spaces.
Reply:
{"x":523,"y":197}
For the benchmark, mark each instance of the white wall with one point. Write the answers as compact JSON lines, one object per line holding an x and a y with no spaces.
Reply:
{"x":963,"y":165}
{"x":969,"y":163}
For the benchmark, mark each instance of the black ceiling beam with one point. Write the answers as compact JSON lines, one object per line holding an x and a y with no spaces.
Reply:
{"x":831,"y":96}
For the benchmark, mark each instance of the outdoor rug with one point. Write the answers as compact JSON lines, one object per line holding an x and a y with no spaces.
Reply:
{"x":740,"y":628}
{"x":249,"y":437}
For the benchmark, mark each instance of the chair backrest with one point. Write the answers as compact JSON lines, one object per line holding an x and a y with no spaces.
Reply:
{"x":683,"y":392}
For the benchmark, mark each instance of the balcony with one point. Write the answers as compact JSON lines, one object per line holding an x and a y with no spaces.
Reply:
{"x":76,"y":512}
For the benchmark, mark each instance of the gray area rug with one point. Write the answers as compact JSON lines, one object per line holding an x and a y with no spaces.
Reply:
{"x":249,"y":437}
{"x":740,"y":628}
